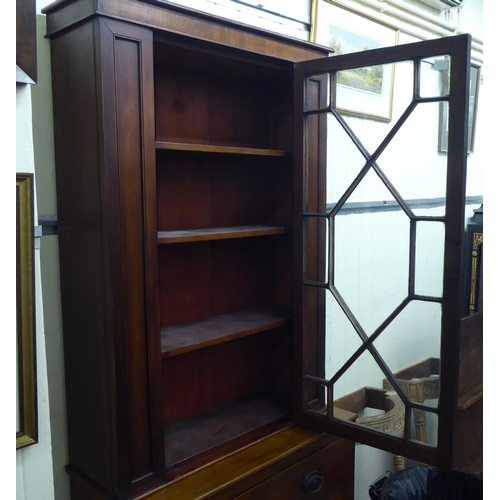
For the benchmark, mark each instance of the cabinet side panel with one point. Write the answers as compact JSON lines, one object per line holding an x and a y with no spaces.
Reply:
{"x":127,"y":81}
{"x":133,"y":252}
{"x":82,"y":256}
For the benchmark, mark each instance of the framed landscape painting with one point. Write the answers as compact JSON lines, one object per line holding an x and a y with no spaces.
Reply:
{"x":365,"y":92}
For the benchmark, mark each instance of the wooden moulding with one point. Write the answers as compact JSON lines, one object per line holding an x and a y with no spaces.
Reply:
{"x":182,"y":20}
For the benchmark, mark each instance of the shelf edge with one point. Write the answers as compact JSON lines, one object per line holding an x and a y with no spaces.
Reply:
{"x":221,"y":233}
{"x":207,"y":148}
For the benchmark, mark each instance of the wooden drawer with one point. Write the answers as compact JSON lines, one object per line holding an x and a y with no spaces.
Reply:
{"x":335,"y":465}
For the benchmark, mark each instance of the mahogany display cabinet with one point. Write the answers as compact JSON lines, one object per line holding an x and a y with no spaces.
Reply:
{"x":183,"y":247}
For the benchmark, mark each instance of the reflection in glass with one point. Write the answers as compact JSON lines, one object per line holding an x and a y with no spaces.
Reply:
{"x":366,"y":91}
{"x":434,"y":76}
{"x":425,"y":426}
{"x":372,"y":132}
{"x":429,"y":261}
{"x":371,"y":256}
{"x":407,"y":345}
{"x":356,"y":400}
{"x":342,"y":340}
{"x":417,"y":173}
{"x":363,"y":372}
{"x":420,"y":380}
{"x":473,"y":94}
{"x":344,"y":161}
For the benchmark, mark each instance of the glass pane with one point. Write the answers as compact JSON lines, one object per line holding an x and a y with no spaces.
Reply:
{"x":377,"y":168}
{"x":444,"y":112}
{"x":372,"y":114}
{"x":411,"y":159}
{"x":435,"y":76}
{"x":371,"y":255}
{"x":429,"y":261}
{"x":424,"y":426}
{"x":342,"y":340}
{"x":407,"y":345}
{"x":402,"y":95}
{"x":344,"y":161}
{"x":356,"y":399}
{"x":364,"y":372}
{"x":411,"y":350}
{"x":365,"y":91}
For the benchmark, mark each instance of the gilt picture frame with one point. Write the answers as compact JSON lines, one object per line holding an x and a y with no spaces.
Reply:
{"x":26,"y":408}
{"x":362,"y":92}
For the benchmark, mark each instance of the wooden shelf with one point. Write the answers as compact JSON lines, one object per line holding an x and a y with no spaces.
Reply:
{"x":197,"y":434}
{"x":218,"y":233}
{"x":228,"y":150}
{"x":181,"y":339}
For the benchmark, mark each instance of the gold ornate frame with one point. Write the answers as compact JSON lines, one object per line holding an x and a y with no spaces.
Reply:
{"x":26,"y":409}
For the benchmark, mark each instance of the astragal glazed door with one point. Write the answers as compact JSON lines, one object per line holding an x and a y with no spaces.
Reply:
{"x":379,"y":244}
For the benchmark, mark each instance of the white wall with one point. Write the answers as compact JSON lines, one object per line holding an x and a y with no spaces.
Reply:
{"x":49,"y":255}
{"x":34,"y":477}
{"x":35,"y":469}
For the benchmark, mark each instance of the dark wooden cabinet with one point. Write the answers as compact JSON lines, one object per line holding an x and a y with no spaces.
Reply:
{"x":179,"y":190}
{"x":173,"y":135}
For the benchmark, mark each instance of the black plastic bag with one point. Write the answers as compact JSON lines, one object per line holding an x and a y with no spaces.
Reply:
{"x":431,"y":483}
{"x":454,"y":485}
{"x":408,"y":484}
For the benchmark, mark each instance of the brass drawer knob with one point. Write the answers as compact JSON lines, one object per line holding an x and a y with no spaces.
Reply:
{"x":313,"y":482}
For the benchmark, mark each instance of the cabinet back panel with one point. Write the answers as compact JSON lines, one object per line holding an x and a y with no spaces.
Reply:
{"x":198,"y":108}
{"x":201,"y":381}
{"x":200,"y":191}
{"x":200,"y":280}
